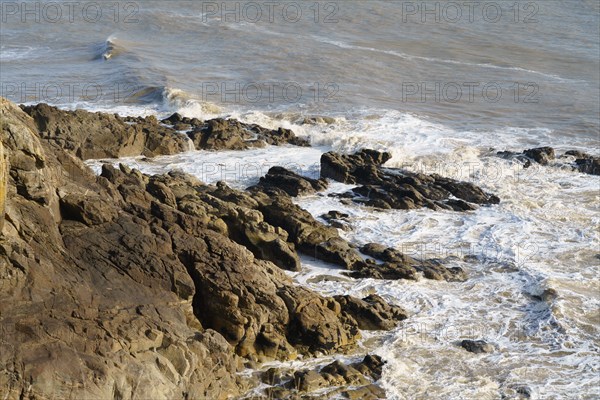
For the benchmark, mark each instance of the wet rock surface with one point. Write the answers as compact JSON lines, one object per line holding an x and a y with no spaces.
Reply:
{"x":477,"y":346}
{"x":583,"y":162}
{"x":110,"y":281}
{"x":387,"y":188}
{"x":372,"y":312}
{"x":330,"y":381}
{"x":290,"y":182}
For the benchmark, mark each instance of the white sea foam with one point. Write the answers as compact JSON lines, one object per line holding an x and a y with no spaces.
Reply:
{"x":531,"y":260}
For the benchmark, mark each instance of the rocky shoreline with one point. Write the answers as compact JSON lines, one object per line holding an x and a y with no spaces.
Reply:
{"x":127,"y":286}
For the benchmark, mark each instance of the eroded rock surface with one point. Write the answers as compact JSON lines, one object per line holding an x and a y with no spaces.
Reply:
{"x":329,"y":382}
{"x":129,"y":286}
{"x":230,"y":134}
{"x":399,"y":189}
{"x":584,"y":163}
{"x":97,"y":135}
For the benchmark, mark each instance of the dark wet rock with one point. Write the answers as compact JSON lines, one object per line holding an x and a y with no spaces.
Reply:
{"x":318,"y":120}
{"x":477,"y":346}
{"x":352,"y":169}
{"x":372,"y":312}
{"x":589,"y":165}
{"x":577,"y":154}
{"x":523,"y":391}
{"x":541,"y":155}
{"x":337,"y":220}
{"x":372,"y":269}
{"x":584,"y":162}
{"x":397,"y":265}
{"x":175,"y":118}
{"x":386,"y":188}
{"x":231,"y":134}
{"x":290,"y":182}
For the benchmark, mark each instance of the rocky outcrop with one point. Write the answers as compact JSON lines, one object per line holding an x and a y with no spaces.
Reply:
{"x":583,"y":162}
{"x":393,"y":264}
{"x":399,"y":189}
{"x":372,"y":312}
{"x":97,"y":135}
{"x":290,"y":182}
{"x":129,"y":286}
{"x":231,"y":134}
{"x":329,"y":382}
{"x":3,"y":180}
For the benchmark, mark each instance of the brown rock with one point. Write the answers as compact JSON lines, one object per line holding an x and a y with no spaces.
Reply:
{"x":372,"y":312}
{"x":3,"y":181}
{"x":290,"y":182}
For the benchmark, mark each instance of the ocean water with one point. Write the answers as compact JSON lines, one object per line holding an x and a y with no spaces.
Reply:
{"x":442,"y":86}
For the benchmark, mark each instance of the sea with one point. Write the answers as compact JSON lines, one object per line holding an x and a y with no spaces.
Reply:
{"x":441,"y":85}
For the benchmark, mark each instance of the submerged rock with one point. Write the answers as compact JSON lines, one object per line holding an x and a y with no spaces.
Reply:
{"x":477,"y":346}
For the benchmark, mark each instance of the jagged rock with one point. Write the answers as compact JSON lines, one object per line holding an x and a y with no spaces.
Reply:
{"x":111,"y":281}
{"x":541,"y":155}
{"x":290,"y":182}
{"x":477,"y":346}
{"x":3,"y":181}
{"x":583,"y":163}
{"x":399,"y":189}
{"x":397,"y":265}
{"x":90,"y":210}
{"x":372,"y":312}
{"x":355,"y":168}
{"x":175,"y":118}
{"x":97,"y":135}
{"x":337,"y":220}
{"x":231,"y":134}
{"x":354,"y":381}
{"x":588,"y":164}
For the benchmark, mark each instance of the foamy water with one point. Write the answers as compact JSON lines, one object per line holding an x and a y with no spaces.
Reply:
{"x":533,"y":261}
